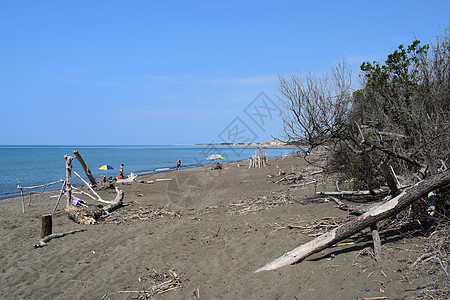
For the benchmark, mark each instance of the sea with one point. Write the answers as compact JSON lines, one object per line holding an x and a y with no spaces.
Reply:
{"x":38,"y":165}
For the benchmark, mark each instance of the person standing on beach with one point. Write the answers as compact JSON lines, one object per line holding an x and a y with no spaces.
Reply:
{"x":179,"y":164}
{"x":120,"y":176}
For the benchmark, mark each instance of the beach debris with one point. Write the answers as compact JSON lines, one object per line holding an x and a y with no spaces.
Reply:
{"x":85,"y":168}
{"x":44,"y":186}
{"x":85,"y":216}
{"x":260,"y":203}
{"x":50,"y":237}
{"x":147,"y":181}
{"x":292,"y":178}
{"x":380,"y":191}
{"x":315,"y":228}
{"x":305,"y":176}
{"x":196,"y":294}
{"x":385,"y":210}
{"x":258,"y":161}
{"x":131,"y":178}
{"x":99,"y":199}
{"x":140,"y":213}
{"x":162,"y":282}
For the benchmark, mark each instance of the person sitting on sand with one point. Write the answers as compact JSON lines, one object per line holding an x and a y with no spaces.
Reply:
{"x":103,"y":178}
{"x":179,"y":164}
{"x":218,"y":166}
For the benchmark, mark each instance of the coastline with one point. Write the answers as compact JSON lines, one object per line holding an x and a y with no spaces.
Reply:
{"x":138,"y":160}
{"x":212,"y":227}
{"x":141,"y":176}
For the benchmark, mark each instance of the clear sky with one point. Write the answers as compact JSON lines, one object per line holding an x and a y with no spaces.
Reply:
{"x":180,"y":72}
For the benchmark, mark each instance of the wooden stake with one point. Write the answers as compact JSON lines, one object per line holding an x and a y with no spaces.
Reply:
{"x":60,"y":194}
{"x":46,"y":228}
{"x":376,"y":242}
{"x":21,"y":193}
{"x":68,"y":178}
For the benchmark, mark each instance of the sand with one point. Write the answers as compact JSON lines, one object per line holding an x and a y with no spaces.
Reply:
{"x":212,"y":241}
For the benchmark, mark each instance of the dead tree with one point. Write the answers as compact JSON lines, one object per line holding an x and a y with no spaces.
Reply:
{"x":373,"y":216}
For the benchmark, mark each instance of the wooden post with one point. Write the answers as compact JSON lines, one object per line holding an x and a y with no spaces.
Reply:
{"x":46,"y":228}
{"x":260,"y":157}
{"x":21,"y":193}
{"x":376,"y":242}
{"x":85,"y":168}
{"x":68,"y":179}
{"x":374,"y":227}
{"x":60,"y":194}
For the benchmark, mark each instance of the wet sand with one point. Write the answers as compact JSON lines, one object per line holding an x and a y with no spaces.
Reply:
{"x":219,"y":227}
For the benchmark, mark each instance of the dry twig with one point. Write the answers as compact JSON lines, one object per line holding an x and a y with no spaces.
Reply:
{"x":163,"y":282}
{"x":260,"y":203}
{"x":140,"y":213}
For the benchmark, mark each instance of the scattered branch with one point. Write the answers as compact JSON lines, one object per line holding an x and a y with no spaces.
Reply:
{"x":50,"y":237}
{"x":346,"y":230}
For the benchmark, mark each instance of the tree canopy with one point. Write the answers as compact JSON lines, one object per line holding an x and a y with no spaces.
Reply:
{"x":400,"y":115}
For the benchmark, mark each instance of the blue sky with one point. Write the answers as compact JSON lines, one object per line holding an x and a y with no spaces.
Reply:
{"x":180,"y":72}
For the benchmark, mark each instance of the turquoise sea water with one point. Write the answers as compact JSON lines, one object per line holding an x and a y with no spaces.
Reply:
{"x":36,"y":165}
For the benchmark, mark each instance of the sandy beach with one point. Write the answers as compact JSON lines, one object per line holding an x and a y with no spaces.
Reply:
{"x":212,"y":229}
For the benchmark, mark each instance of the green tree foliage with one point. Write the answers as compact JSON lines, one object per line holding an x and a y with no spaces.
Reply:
{"x":400,"y":115}
{"x":409,"y":95}
{"x":395,"y":81}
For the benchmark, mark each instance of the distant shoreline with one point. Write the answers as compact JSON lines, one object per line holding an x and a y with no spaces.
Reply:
{"x":254,"y":145}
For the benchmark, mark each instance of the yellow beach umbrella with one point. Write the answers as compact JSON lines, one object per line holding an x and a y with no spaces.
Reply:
{"x":105,"y":167}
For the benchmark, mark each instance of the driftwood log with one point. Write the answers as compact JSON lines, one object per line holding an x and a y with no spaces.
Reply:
{"x":373,"y":216}
{"x":68,"y":179}
{"x":50,"y":237}
{"x":355,"y":193}
{"x":92,"y":190}
{"x":85,"y":168}
{"x":85,"y":216}
{"x":116,"y":203}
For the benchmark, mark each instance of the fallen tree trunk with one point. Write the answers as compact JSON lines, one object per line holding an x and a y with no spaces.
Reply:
{"x":376,"y":214}
{"x":116,"y":203}
{"x":354,"y":193}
